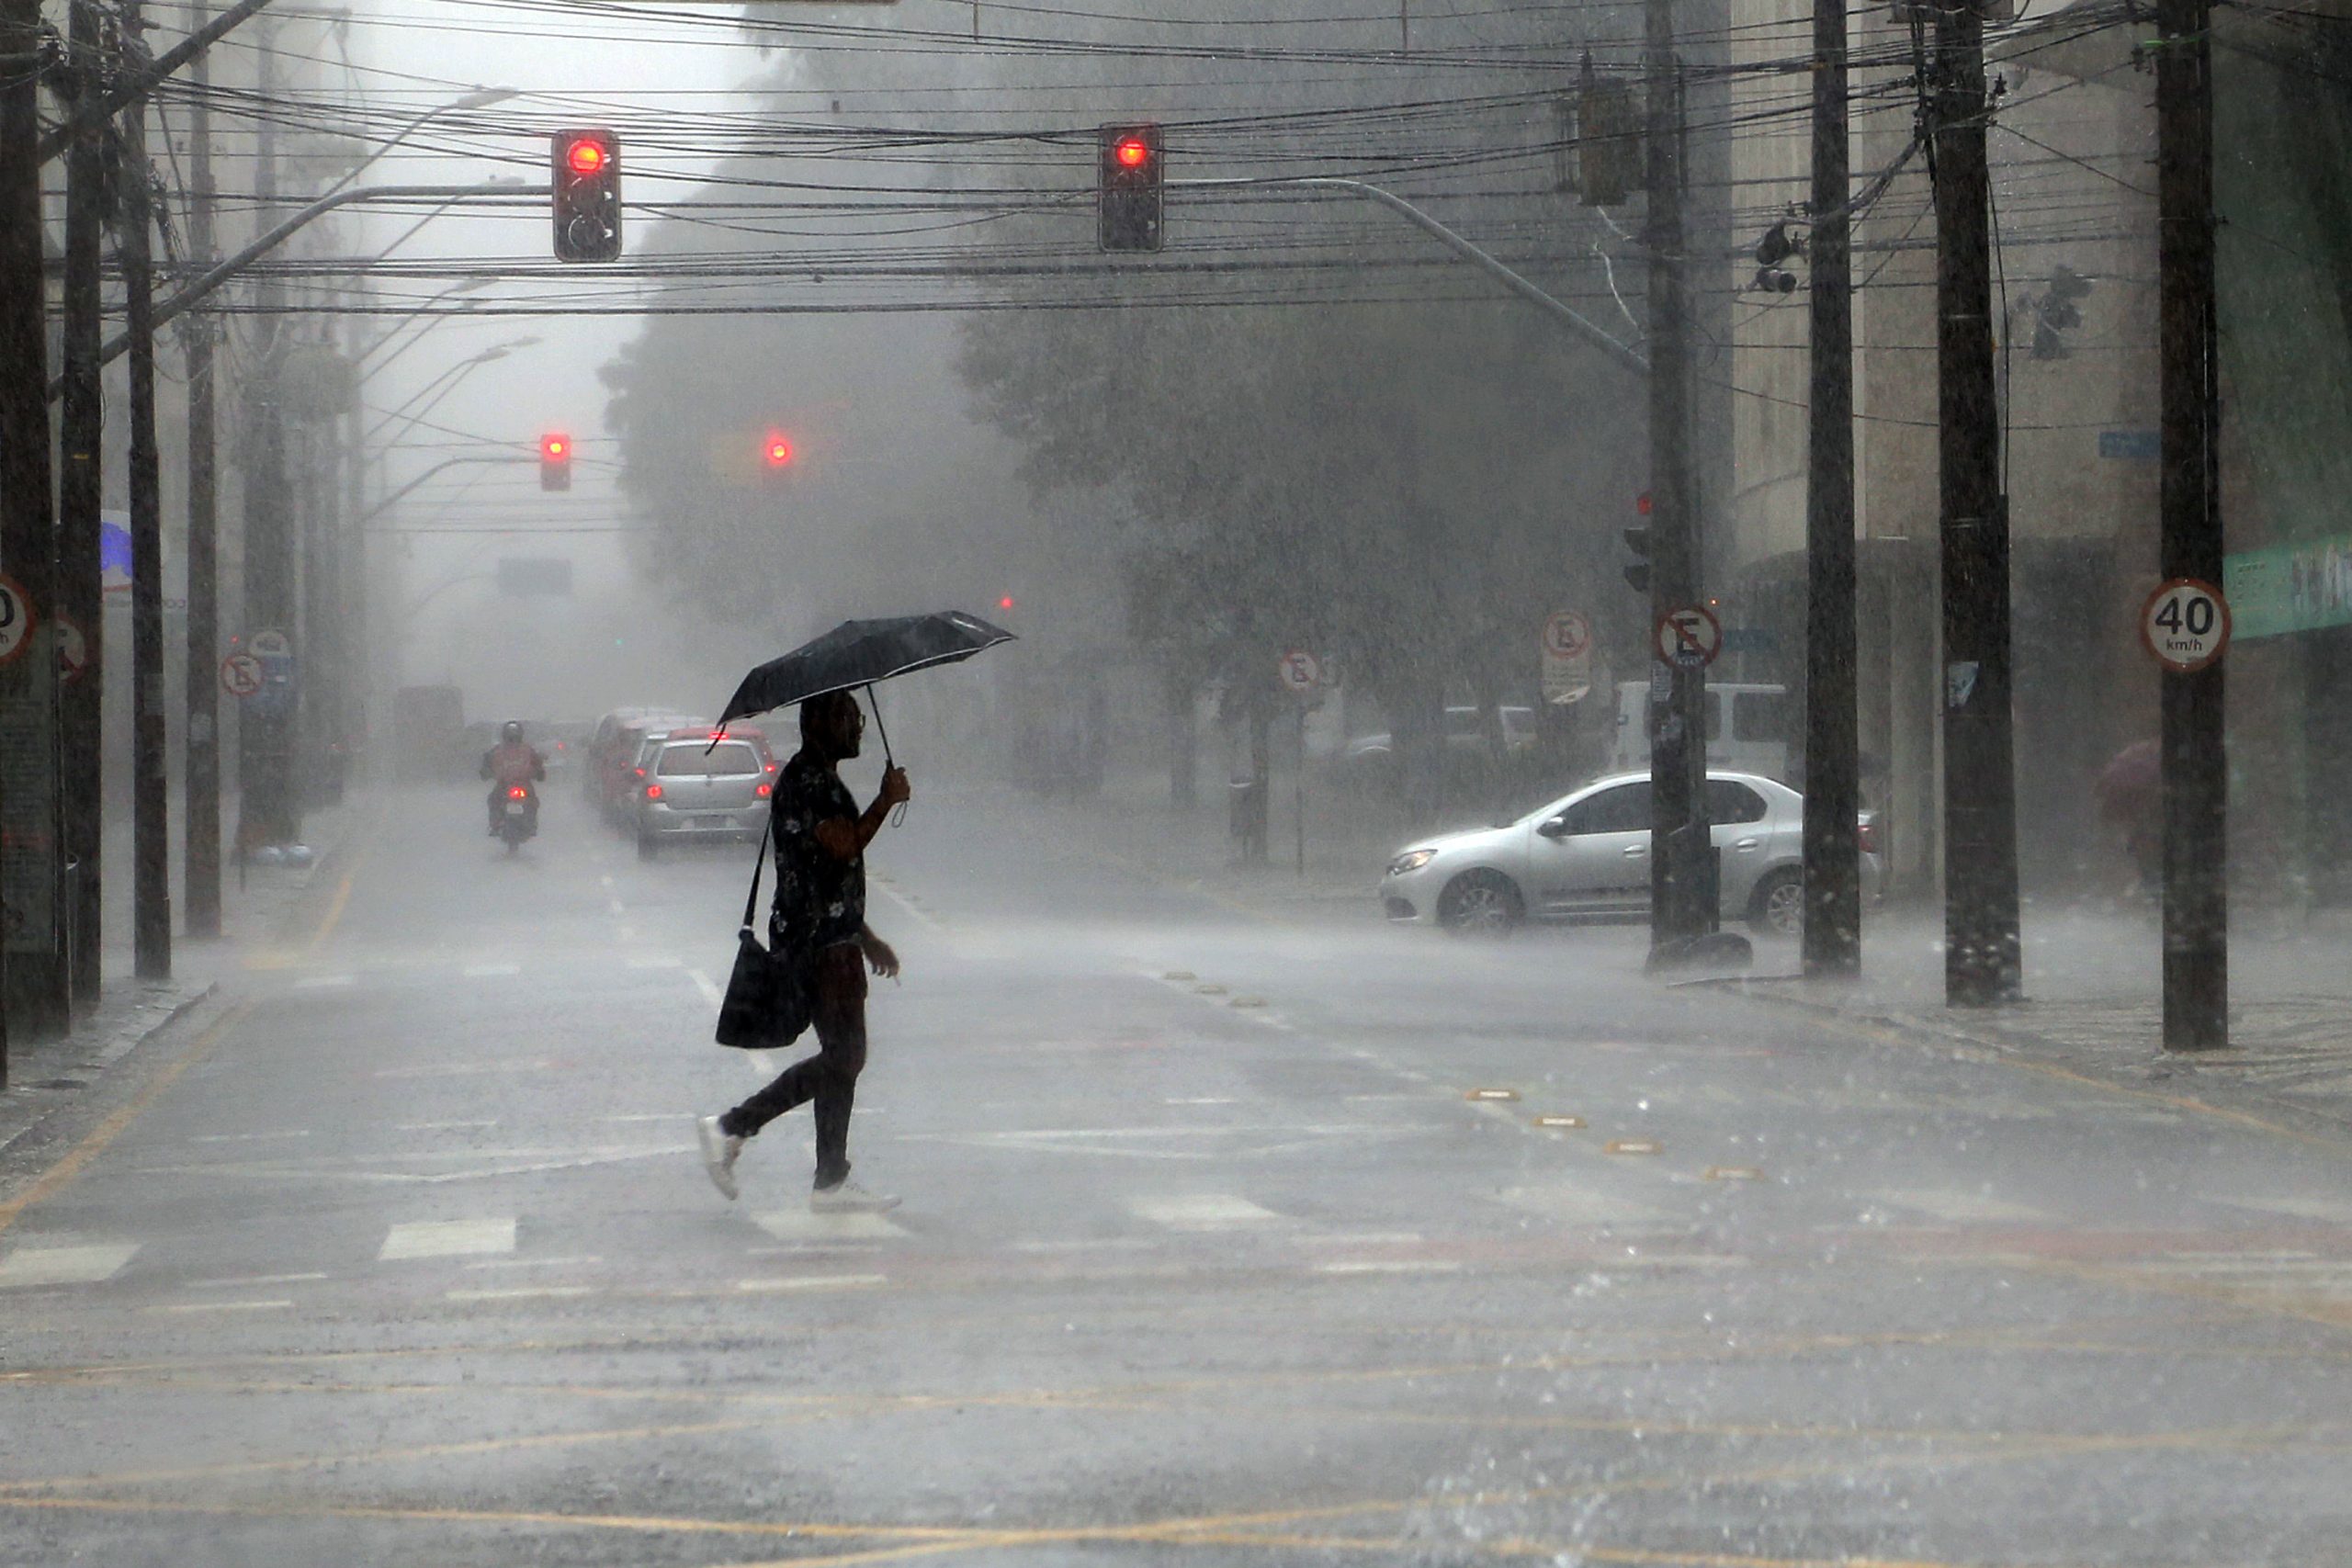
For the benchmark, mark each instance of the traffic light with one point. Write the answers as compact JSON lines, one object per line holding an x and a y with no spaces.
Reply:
{"x":555,"y":461}
{"x":776,"y":451}
{"x":1637,"y":539}
{"x":1127,"y":187}
{"x":586,"y":169}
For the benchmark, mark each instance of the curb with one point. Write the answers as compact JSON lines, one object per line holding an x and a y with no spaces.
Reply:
{"x":2047,"y":1054}
{"x":88,"y":1066}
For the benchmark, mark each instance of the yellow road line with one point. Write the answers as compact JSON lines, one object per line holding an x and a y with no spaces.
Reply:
{"x":107,"y":1132}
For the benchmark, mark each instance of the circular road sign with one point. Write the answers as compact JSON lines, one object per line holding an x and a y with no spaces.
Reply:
{"x":1567,"y":635}
{"x":241,"y":675}
{"x":272,"y":645}
{"x":1690,"y":636}
{"x":73,"y":649}
{"x":1300,"y":670}
{"x":16,"y":620}
{"x":2185,"y":624}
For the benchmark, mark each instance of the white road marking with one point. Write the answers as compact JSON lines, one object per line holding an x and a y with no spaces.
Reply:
{"x":618,"y":907}
{"x":582,"y":1262}
{"x":2332,"y":1211}
{"x":1958,"y":1207}
{"x":1581,"y":1206}
{"x":223,"y":1306}
{"x":253,"y":1280}
{"x":628,"y":933}
{"x":1391,"y":1266}
{"x":707,"y":986}
{"x":1366,"y":1238}
{"x":325,"y":982}
{"x":1212,"y":1099}
{"x":799,"y":1225}
{"x":464,"y":1069}
{"x":248,"y":1137}
{"x":654,"y":964}
{"x":83,"y":1264}
{"x":440,"y":1126}
{"x":446,"y":1238}
{"x":490,"y":971}
{"x":1201,"y":1212}
{"x":521,"y":1293}
{"x":813,"y":1282}
{"x":653,"y":1116}
{"x":918,"y":916}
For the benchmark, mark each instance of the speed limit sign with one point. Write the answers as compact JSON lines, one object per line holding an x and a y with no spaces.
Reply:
{"x":16,"y":621}
{"x":2185,"y":624}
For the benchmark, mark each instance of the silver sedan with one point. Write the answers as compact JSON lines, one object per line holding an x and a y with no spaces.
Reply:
{"x":1586,"y":857}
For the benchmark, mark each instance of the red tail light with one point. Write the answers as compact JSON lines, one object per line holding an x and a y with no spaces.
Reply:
{"x":763,"y":789}
{"x":770,"y":768}
{"x":640,"y":772}
{"x":515,"y":793}
{"x":652,"y":792}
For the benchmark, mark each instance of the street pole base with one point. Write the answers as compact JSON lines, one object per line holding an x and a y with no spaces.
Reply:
{"x":1709,"y":950}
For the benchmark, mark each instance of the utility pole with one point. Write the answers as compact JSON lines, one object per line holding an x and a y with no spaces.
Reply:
{"x":34,"y":984}
{"x":24,"y":352}
{"x":1833,"y":888}
{"x":268,"y":810}
{"x":2196,"y":778}
{"x":1683,"y":890}
{"x":200,"y":873}
{"x":81,"y":492}
{"x":1981,"y":937}
{"x":149,"y":801}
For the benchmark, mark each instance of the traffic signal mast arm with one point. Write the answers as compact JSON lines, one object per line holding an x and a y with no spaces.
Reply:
{"x":1625,"y":355}
{"x":447,"y":463}
{"x":210,"y":283}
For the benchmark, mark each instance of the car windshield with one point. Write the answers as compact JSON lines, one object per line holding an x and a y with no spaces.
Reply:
{"x":700,"y":757}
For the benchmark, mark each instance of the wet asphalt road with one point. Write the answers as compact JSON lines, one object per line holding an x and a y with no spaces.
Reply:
{"x":1225,"y":1242}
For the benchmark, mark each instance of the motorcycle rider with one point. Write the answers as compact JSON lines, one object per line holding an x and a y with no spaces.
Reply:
{"x":513,"y":762}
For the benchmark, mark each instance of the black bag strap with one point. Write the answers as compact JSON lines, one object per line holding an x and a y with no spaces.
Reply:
{"x":759,"y":864}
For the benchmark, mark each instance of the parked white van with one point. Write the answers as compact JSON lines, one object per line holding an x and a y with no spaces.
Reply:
{"x":1749,"y":729}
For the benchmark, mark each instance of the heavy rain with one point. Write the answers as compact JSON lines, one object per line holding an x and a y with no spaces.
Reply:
{"x":1446,"y":781}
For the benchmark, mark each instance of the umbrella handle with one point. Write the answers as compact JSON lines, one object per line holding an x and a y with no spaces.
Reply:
{"x":887,"y":760}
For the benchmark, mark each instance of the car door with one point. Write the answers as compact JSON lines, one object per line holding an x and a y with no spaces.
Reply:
{"x":1740,"y":826}
{"x":1594,"y":857}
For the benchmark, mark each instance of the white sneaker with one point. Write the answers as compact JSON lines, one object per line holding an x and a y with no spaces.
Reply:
{"x":849,"y":1198}
{"x":718,"y":1152}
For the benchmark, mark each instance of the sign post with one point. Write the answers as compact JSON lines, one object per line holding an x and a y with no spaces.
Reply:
{"x":1301,"y":672}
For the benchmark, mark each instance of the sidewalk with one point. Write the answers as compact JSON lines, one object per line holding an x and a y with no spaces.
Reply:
{"x":2094,"y":1004}
{"x":45,"y":1075}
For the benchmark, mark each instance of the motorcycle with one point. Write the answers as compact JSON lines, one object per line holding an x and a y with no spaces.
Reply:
{"x":518,"y":816}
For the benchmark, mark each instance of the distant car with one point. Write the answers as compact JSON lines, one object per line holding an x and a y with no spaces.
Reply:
{"x":688,"y":783}
{"x":1586,"y":857}
{"x":613,"y":752}
{"x":564,"y":743}
{"x":1463,"y":735}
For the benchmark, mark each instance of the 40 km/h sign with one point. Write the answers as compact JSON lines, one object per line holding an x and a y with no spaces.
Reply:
{"x":2185,"y":624}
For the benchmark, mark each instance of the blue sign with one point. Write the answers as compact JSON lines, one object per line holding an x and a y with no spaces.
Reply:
{"x":2131,"y":446}
{"x":114,"y":554}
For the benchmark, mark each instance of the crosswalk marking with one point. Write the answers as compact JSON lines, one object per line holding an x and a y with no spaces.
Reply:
{"x":1581,"y":1205}
{"x":2334,"y":1211}
{"x":490,"y":971}
{"x":82,"y":1264}
{"x":812,"y":1282}
{"x":521,"y":1293}
{"x":446,"y":1238}
{"x":1201,"y":1212}
{"x":325,"y":982}
{"x":800,"y":1225}
{"x":1967,"y":1208}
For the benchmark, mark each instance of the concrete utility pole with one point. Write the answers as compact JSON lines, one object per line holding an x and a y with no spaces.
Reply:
{"x":268,"y":809}
{"x":33,"y":978}
{"x":1683,"y":892}
{"x":1981,"y":938}
{"x":1833,"y":890}
{"x":200,"y":873}
{"x":81,"y":487}
{"x":151,"y":804}
{"x":2196,"y":776}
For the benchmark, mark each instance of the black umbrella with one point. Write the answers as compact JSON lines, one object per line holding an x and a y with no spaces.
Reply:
{"x":859,"y":653}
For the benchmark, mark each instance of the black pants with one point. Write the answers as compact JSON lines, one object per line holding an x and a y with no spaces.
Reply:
{"x":828,"y":1078}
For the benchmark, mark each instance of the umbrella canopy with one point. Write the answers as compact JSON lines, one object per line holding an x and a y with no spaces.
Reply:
{"x":859,"y":653}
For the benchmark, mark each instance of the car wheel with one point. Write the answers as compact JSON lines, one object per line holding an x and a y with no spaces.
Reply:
{"x":1480,"y":903}
{"x":1777,"y":906}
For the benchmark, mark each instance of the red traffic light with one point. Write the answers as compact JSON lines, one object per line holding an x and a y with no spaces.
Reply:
{"x":587,"y":156}
{"x":555,"y":448}
{"x":1642,"y":504}
{"x":776,"y":449}
{"x":1005,"y":602}
{"x":1131,"y":152}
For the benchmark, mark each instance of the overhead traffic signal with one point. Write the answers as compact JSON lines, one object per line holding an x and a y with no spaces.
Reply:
{"x":776,"y":451}
{"x":555,"y":461}
{"x":1637,"y":539}
{"x":1127,"y":187}
{"x":586,"y":180}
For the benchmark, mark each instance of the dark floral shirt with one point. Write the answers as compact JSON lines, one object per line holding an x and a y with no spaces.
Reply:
{"x":819,"y":899}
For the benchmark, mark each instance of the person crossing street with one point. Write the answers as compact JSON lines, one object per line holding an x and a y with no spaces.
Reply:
{"x":819,"y":920}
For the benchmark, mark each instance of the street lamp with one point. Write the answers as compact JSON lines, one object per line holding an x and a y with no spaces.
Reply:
{"x":480,"y":97}
{"x":447,"y":382}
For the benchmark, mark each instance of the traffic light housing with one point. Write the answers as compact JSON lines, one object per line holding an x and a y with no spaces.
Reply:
{"x":1127,"y":187}
{"x":555,"y":461}
{"x":585,"y":169}
{"x":1637,"y":539}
